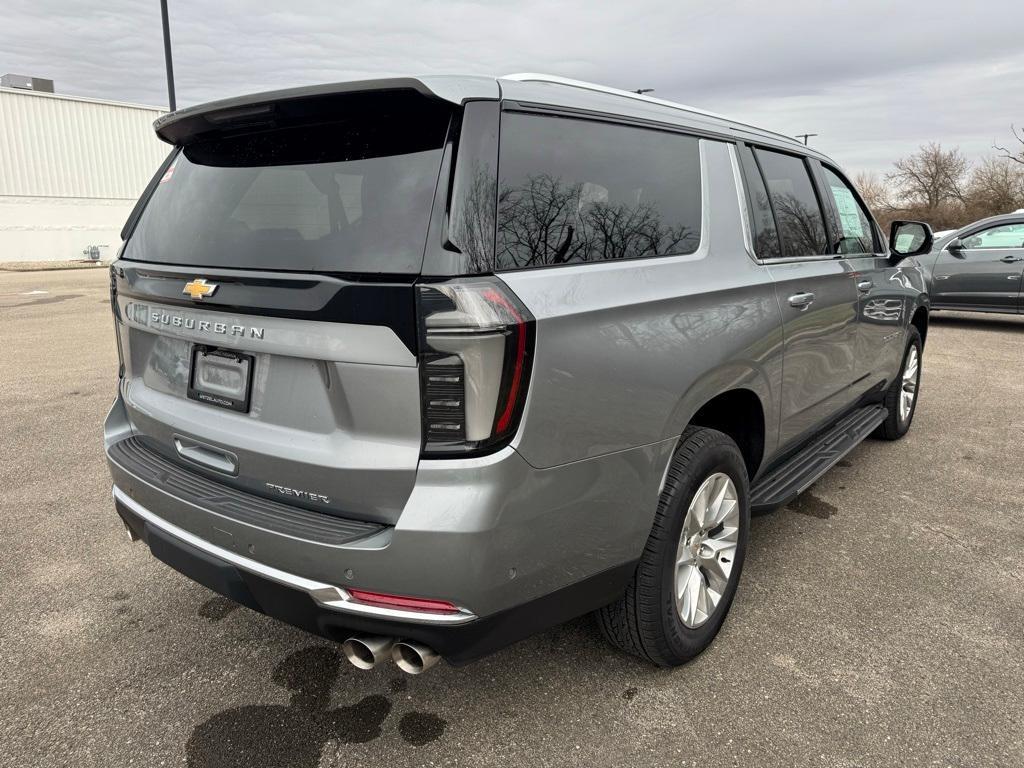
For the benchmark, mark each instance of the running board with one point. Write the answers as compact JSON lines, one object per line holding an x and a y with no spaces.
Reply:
{"x":785,"y":483}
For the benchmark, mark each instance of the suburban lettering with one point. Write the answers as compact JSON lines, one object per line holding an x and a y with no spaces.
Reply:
{"x":144,"y":316}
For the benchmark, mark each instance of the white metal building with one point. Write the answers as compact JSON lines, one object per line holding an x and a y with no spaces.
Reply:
{"x":71,"y":169}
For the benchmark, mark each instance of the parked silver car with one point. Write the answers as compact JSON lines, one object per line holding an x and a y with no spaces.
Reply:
{"x":427,"y":365}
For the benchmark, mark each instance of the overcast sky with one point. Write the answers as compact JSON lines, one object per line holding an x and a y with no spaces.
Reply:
{"x":875,"y":79}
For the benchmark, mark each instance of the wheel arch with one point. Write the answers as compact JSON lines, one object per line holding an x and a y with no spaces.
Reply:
{"x":740,"y":414}
{"x":736,"y":399}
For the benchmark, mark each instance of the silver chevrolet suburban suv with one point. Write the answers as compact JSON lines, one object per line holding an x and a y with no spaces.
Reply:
{"x":428,"y":365}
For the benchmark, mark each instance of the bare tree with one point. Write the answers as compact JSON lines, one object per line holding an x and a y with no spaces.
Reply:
{"x":995,"y":186}
{"x":1007,"y":153}
{"x":930,"y":178}
{"x":875,"y":191}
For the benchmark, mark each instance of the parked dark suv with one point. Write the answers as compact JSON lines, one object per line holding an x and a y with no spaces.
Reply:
{"x":428,"y":365}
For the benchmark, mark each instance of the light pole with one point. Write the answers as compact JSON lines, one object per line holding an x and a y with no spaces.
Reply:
{"x":167,"y":56}
{"x":805,"y":136}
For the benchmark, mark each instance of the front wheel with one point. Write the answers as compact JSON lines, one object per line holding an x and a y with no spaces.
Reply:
{"x":688,"y":573}
{"x":901,"y":397}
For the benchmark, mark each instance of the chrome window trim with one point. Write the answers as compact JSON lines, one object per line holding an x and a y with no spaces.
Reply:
{"x":741,"y":198}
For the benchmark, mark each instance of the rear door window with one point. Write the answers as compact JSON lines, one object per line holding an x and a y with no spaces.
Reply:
{"x":350,"y":195}
{"x":574,"y":191}
{"x":800,"y":222}
{"x":766,"y":234}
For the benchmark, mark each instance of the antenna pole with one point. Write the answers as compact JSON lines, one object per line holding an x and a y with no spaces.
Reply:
{"x":167,"y":56}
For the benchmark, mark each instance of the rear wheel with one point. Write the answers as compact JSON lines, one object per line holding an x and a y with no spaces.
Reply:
{"x":901,"y":397}
{"x":690,"y":567}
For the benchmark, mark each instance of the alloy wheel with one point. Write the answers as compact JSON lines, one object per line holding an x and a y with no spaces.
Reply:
{"x":909,"y":385}
{"x":707,"y":549}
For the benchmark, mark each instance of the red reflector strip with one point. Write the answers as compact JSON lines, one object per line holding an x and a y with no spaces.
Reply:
{"x":403,"y":603}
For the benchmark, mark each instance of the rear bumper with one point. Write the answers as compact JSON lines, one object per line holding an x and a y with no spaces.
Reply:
{"x":325,"y":610}
{"x":518,"y":548}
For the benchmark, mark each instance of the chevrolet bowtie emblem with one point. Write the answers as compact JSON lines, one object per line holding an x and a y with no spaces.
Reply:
{"x":199,"y":288}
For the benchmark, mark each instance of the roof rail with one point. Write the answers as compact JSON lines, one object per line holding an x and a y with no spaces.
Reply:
{"x":536,"y":77}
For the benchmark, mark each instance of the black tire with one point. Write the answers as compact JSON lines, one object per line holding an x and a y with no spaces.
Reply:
{"x":645,"y":621}
{"x":894,"y":427}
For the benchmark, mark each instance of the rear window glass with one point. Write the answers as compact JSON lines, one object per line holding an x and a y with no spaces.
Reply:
{"x":577,"y":191}
{"x":349,"y":195}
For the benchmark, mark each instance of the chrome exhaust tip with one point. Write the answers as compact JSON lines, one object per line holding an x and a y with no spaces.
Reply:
{"x":367,"y":652}
{"x":132,"y":535}
{"x":413,"y":658}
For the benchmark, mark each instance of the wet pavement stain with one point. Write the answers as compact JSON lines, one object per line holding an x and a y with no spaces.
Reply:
{"x":844,"y":463}
{"x":420,"y":728}
{"x":217,"y":608}
{"x":629,"y":694}
{"x":811,"y":505}
{"x":119,"y":595}
{"x":398,"y":684}
{"x":50,"y":300}
{"x":274,"y":735}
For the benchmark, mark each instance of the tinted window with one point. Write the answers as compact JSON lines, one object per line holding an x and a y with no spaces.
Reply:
{"x":348,"y":195}
{"x":766,"y":235}
{"x":801,"y":226}
{"x":1004,"y":236}
{"x":474,"y":204}
{"x":856,"y":234}
{"x":577,"y":191}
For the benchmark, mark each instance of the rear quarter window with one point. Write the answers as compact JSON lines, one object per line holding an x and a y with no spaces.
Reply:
{"x":575,"y":191}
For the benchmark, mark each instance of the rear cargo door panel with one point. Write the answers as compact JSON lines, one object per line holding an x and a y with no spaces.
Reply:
{"x":333,"y":422}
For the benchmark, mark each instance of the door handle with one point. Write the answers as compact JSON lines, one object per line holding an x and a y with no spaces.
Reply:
{"x":207,"y":455}
{"x":801,"y":300}
{"x":1011,"y":259}
{"x":865,"y":285}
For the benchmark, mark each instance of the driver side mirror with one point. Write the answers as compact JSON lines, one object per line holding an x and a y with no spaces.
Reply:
{"x":909,"y":238}
{"x":956,"y":247}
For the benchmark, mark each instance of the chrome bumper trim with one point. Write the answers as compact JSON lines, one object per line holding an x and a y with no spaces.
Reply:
{"x":326,"y":595}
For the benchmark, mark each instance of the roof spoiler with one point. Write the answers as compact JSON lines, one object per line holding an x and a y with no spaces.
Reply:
{"x":194,"y":123}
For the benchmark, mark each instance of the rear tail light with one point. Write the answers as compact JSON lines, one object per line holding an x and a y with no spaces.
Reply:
{"x":476,"y":347}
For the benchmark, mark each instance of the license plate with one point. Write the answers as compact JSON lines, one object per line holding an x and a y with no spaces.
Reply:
{"x":221,"y":377}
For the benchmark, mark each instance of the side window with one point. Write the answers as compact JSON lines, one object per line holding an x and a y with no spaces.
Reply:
{"x":856,"y":234}
{"x":1004,"y":236}
{"x":766,"y":234}
{"x":574,"y":191}
{"x":800,"y":222}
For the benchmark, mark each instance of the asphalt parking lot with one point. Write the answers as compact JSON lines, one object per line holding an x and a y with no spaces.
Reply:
{"x":879,"y":621}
